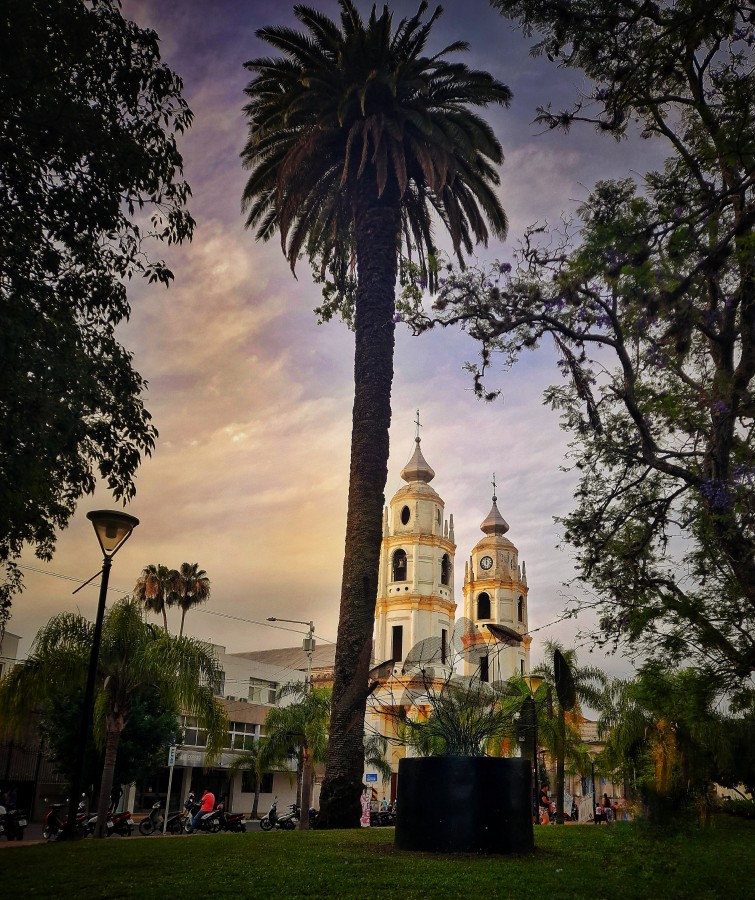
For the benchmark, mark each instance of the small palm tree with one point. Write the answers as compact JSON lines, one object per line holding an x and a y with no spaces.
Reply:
{"x":253,"y":760}
{"x":299,"y":731}
{"x":357,"y":143}
{"x":135,"y":656}
{"x":155,"y":589}
{"x":563,"y":739}
{"x":376,"y":754}
{"x":191,"y":588}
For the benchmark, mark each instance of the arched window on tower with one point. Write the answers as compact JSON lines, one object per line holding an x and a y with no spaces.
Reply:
{"x":399,"y":566}
{"x":483,"y":606}
{"x":520,"y":610}
{"x":445,"y":569}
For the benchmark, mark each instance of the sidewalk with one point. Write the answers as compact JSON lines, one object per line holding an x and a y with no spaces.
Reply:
{"x":33,"y":834}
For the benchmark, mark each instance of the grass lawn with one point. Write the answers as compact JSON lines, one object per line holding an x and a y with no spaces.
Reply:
{"x":581,"y":861}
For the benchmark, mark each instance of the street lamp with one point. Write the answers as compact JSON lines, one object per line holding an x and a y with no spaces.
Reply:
{"x":308,"y":645}
{"x":113,"y":529}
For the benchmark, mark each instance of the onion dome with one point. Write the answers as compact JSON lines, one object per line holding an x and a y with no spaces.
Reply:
{"x":494,"y":523}
{"x":418,"y":469}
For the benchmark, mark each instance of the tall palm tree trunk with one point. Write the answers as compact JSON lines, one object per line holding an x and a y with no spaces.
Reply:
{"x":183,"y":616}
{"x":306,"y":790}
{"x":377,"y":225}
{"x":560,"y":766}
{"x":114,"y":728}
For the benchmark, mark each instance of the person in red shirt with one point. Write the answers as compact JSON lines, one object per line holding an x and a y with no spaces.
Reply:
{"x":207,"y":805}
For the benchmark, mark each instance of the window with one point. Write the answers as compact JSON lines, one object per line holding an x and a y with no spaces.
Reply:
{"x":445,"y":569}
{"x":520,"y":609}
{"x":443,"y":646}
{"x":397,"y":643}
{"x":241,"y":736}
{"x":406,"y":514}
{"x":193,"y":735}
{"x":483,"y":606}
{"x":218,"y":686}
{"x":399,"y":566}
{"x":262,"y":691}
{"x":484,"y":672}
{"x":248,"y":782}
{"x":521,"y":666}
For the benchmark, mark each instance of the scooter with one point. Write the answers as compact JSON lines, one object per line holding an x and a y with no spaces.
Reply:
{"x":209,"y":822}
{"x":55,"y":825}
{"x":12,"y":824}
{"x":177,"y":822}
{"x":285,"y":823}
{"x":230,"y":821}
{"x":154,"y":821}
{"x":121,"y":824}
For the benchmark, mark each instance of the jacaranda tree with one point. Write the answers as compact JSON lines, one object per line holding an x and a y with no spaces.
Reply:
{"x":355,"y":140}
{"x":649,"y":301}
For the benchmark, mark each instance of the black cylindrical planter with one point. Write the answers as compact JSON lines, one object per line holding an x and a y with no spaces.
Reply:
{"x":462,"y":804}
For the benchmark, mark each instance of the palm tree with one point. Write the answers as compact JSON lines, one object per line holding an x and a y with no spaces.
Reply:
{"x":299,"y":731}
{"x":191,"y":588}
{"x":376,"y":754}
{"x":155,"y":590}
{"x":589,"y":683}
{"x":135,"y":656}
{"x":253,"y":760}
{"x":355,"y":139}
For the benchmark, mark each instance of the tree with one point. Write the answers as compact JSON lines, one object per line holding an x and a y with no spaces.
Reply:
{"x":355,"y":138}
{"x":90,"y":176}
{"x":192,"y":588}
{"x":135,"y":657}
{"x":253,"y":760}
{"x":142,"y":747}
{"x":664,"y":735}
{"x":298,"y":731}
{"x":156,"y":589}
{"x":651,"y":306}
{"x":561,"y":739}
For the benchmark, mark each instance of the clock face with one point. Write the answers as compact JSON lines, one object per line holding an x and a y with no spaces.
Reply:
{"x":486,"y":563}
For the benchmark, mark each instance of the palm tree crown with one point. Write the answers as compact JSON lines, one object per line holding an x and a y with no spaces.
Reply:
{"x":155,"y":590}
{"x":191,"y":587}
{"x":358,"y":109}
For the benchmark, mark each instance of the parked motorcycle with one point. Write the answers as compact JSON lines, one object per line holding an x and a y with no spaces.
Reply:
{"x":121,"y":823}
{"x":177,"y":822}
{"x":286,"y":823}
{"x":230,"y":821}
{"x":153,"y":822}
{"x":55,"y":824}
{"x":12,"y":824}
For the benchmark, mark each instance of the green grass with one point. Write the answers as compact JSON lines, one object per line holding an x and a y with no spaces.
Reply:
{"x":582,"y":861}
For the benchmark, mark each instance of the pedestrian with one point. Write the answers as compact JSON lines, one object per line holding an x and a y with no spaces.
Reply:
{"x":607,"y":808}
{"x":574,"y":810}
{"x":207,"y":805}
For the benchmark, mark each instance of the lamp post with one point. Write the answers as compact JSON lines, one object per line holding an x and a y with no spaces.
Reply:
{"x":113,"y":529}
{"x":308,"y":645}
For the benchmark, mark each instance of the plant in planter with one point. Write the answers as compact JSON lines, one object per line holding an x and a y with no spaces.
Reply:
{"x":458,"y":790}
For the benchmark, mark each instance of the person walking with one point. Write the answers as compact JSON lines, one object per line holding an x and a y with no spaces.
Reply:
{"x":207,"y":805}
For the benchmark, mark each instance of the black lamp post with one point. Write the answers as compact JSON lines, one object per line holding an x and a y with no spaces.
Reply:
{"x":113,"y":529}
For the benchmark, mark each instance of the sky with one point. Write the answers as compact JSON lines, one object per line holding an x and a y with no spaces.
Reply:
{"x":252,"y":398}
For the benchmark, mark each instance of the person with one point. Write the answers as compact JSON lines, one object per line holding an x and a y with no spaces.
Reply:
{"x":384,"y":805}
{"x":607,"y":809}
{"x":207,"y":805}
{"x":574,"y":810}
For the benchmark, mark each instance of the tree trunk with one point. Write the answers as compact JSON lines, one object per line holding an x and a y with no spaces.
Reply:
{"x":115,"y":725}
{"x":183,"y":616}
{"x":256,"y":804}
{"x":377,"y":225}
{"x":560,"y":767}
{"x":306,"y":791}
{"x":165,"y":619}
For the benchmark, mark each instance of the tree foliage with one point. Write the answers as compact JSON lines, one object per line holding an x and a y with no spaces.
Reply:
{"x":649,"y":299}
{"x":356,"y":140}
{"x":90,"y":177}
{"x":135,"y":657}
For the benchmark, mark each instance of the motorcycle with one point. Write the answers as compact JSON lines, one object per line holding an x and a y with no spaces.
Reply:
{"x":285,"y":823}
{"x":154,"y":821}
{"x":55,"y":825}
{"x":177,"y":822}
{"x":230,"y":821}
{"x":209,"y":822}
{"x":120,"y":823}
{"x":12,"y":824}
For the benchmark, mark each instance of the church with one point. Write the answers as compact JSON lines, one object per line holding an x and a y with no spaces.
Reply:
{"x":416,"y":609}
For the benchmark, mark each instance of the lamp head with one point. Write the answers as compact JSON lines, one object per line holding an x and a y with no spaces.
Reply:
{"x":113,"y":529}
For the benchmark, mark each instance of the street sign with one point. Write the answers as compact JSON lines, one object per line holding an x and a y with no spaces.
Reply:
{"x":172,"y":755}
{"x":370,"y":776}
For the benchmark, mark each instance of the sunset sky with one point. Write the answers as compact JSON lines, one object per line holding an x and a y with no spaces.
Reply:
{"x":252,"y":398}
